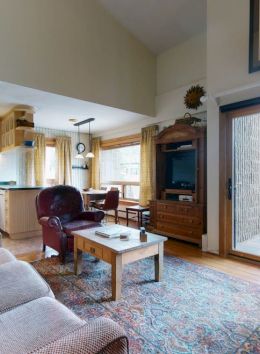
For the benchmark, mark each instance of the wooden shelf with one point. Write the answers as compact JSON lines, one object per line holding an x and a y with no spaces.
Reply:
{"x":79,"y":168}
{"x":179,"y":191}
{"x":178,"y":150}
{"x":24,"y":128}
{"x":12,"y":136}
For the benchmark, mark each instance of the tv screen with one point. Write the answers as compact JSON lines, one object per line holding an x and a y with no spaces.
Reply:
{"x":181,"y":170}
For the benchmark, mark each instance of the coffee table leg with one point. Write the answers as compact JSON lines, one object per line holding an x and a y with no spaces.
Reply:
{"x":77,"y":258}
{"x":117,"y":268}
{"x":158,"y":263}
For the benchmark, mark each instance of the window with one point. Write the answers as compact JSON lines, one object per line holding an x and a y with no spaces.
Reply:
{"x":50,"y":165}
{"x":120,"y":168}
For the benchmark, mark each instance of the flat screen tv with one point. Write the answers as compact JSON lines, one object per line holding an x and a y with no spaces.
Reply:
{"x":181,"y":170}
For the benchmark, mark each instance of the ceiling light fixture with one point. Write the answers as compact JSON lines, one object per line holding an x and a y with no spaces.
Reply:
{"x":80,"y":147}
{"x":73,"y":120}
{"x":90,"y":154}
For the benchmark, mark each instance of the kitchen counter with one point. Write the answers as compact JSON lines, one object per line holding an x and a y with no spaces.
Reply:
{"x":15,"y":187}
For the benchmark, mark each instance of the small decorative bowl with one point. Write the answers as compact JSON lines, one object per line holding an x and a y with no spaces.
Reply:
{"x":29,"y":143}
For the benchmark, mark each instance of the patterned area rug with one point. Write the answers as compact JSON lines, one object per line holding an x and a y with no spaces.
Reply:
{"x":193,"y":310}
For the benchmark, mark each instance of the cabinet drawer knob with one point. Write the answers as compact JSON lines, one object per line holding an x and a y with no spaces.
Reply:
{"x":92,"y":250}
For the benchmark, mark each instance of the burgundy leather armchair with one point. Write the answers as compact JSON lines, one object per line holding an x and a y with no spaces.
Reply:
{"x":60,"y":211}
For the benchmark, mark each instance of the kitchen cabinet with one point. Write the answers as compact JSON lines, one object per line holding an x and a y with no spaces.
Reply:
{"x":2,"y":210}
{"x":17,"y":212}
{"x":12,"y":136}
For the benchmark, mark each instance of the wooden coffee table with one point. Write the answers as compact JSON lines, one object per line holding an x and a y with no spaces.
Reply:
{"x":118,"y":253}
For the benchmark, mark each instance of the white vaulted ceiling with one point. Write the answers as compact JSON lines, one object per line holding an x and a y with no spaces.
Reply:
{"x":159,"y":24}
{"x":53,"y":111}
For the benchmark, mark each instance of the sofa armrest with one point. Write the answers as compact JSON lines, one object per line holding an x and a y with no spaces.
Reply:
{"x":91,"y":215}
{"x":52,"y":222}
{"x":97,"y":336}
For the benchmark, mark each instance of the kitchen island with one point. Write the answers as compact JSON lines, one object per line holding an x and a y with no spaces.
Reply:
{"x":17,"y":211}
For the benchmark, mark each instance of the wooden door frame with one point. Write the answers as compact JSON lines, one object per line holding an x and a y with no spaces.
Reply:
{"x":225,"y":206}
{"x":223,"y":234}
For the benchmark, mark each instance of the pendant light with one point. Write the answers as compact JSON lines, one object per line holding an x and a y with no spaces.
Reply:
{"x":90,"y":154}
{"x":79,"y":154}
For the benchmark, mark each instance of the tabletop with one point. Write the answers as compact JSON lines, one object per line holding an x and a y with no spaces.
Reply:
{"x":137,"y":208}
{"x":94,"y":191}
{"x":117,"y":245}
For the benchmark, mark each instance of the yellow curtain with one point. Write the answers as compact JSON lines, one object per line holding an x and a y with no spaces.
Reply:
{"x":39,"y":159}
{"x":148,"y":156}
{"x":95,"y":164}
{"x":29,"y":168}
{"x":64,"y":160}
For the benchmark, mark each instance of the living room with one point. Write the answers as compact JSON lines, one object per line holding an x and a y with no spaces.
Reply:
{"x":140,"y":101}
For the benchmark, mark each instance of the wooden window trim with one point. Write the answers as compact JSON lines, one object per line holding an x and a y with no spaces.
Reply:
{"x":50,"y":142}
{"x":123,"y":184}
{"x":123,"y":141}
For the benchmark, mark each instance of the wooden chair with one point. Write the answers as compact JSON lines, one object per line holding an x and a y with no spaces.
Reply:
{"x":111,"y":203}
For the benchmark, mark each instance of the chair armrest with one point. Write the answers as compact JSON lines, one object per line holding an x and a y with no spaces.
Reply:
{"x":91,"y":215}
{"x":51,"y":221}
{"x":97,"y":336}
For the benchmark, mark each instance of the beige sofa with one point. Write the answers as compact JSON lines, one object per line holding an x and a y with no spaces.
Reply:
{"x":32,"y":321}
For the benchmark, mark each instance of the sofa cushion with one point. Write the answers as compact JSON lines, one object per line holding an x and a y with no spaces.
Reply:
{"x":6,"y":256}
{"x":20,"y":283}
{"x":101,"y":335}
{"x":33,"y":325}
{"x":77,"y":225}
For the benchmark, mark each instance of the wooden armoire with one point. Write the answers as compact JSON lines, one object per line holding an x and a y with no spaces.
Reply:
{"x":179,"y":210}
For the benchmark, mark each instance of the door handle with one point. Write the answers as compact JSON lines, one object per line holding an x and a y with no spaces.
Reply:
{"x":229,"y":188}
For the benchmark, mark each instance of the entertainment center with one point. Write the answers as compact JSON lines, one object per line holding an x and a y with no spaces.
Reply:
{"x":179,"y":209}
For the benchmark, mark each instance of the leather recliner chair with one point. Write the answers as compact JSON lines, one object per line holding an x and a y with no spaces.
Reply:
{"x":60,"y":211}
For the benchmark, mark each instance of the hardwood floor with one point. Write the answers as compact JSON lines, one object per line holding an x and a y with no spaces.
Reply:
{"x":30,"y":250}
{"x":234,"y":267}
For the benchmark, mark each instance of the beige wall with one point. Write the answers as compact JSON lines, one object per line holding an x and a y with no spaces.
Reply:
{"x":177,"y":69}
{"x":228,"y":45}
{"x":74,"y":48}
{"x":227,"y":81}
{"x":182,"y":64}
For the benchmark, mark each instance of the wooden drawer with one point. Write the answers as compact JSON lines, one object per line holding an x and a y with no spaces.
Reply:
{"x":94,"y":250}
{"x":181,"y":209}
{"x":85,"y":246}
{"x":177,"y":219}
{"x":179,"y":230}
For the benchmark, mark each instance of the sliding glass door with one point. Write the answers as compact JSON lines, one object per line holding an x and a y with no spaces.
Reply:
{"x":243,"y":183}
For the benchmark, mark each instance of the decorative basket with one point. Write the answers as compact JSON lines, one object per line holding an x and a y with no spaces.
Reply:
{"x":187,"y":119}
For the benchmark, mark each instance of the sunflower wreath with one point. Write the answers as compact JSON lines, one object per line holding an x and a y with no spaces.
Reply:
{"x":193,"y":95}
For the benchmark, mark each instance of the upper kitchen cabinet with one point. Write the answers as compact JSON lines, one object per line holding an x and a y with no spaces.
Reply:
{"x":15,"y":128}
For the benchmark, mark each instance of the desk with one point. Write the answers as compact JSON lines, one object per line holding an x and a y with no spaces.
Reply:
{"x":139,"y":210}
{"x":94,"y":194}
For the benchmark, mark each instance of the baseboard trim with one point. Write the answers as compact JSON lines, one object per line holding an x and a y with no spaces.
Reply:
{"x":24,"y":235}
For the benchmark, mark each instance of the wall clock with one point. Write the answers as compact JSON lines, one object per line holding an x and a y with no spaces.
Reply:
{"x":80,"y":148}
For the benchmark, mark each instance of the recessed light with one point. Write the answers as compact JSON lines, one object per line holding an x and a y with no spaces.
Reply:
{"x":73,"y":120}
